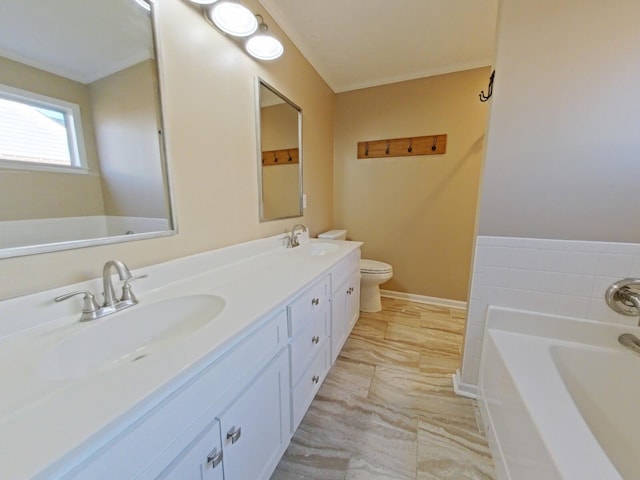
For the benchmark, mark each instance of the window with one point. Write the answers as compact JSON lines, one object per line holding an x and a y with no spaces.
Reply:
{"x":38,"y":132}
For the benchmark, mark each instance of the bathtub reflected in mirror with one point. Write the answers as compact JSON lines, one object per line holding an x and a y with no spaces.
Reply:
{"x":82,"y":158}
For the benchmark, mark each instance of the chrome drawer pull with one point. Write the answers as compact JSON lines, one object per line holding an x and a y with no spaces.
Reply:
{"x":234,"y":434}
{"x":315,"y":301}
{"x":315,"y":379}
{"x":214,"y":458}
{"x":315,"y":339}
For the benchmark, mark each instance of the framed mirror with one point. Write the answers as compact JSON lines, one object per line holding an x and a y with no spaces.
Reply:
{"x":82,"y":158}
{"x":279,"y":127}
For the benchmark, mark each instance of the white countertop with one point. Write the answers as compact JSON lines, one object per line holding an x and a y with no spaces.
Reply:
{"x":46,"y":422}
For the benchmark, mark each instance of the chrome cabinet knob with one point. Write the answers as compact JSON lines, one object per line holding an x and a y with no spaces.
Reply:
{"x":315,"y":339}
{"x":214,"y":458}
{"x":315,"y":379}
{"x":234,"y":434}
{"x":315,"y":301}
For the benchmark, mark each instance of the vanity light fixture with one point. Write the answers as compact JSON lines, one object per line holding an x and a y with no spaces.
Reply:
{"x":233,"y":18}
{"x":236,"y":20}
{"x":262,"y":45}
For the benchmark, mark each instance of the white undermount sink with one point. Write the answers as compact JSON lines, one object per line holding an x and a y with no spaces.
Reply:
{"x":125,"y":337}
{"x":317,"y":248}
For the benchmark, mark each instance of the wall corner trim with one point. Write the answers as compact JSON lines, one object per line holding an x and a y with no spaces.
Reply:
{"x":464,"y":389}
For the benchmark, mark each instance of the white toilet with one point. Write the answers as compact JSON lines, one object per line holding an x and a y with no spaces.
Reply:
{"x":372,"y":274}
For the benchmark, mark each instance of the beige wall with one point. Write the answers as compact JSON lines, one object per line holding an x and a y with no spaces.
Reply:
{"x":280,"y":183}
{"x":29,"y":194}
{"x":126,"y":119}
{"x":415,"y":213}
{"x":209,"y":104}
{"x":563,"y":151}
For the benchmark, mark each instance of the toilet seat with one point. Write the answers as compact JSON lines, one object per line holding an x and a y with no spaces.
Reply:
{"x":374,"y":267}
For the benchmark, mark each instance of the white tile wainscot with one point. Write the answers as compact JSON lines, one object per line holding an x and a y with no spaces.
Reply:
{"x":562,"y":277}
{"x":206,"y":404}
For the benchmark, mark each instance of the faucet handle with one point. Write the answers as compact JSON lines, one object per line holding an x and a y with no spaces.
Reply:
{"x":89,"y":308}
{"x":127,"y":294}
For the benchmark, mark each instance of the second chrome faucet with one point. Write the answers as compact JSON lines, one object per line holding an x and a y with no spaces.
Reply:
{"x":292,"y":239}
{"x":91,"y":310}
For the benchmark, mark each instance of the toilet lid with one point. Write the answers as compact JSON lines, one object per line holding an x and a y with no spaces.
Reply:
{"x":373,"y":266}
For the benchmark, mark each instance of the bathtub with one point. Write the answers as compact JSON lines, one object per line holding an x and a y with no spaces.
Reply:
{"x":559,"y":398}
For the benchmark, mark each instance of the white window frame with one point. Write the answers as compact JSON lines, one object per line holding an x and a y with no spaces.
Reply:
{"x":73,"y":125}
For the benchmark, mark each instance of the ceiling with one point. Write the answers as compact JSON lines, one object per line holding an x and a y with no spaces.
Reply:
{"x":363,"y":43}
{"x":80,"y":40}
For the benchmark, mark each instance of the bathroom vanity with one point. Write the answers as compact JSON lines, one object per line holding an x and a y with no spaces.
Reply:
{"x":207,"y":377}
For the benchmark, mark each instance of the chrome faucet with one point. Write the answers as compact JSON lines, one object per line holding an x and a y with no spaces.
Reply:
{"x":91,"y":310}
{"x":292,"y":239}
{"x":107,"y":283}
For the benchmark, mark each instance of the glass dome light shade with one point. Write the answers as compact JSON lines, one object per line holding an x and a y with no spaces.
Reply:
{"x":264,"y":47}
{"x":203,"y":2}
{"x":233,"y":18}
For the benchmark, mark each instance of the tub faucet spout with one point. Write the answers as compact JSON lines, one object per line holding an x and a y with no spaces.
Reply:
{"x":630,"y":341}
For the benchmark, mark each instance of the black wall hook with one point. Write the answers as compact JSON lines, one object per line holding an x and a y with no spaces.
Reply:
{"x":483,"y":97}
{"x":410,"y":149}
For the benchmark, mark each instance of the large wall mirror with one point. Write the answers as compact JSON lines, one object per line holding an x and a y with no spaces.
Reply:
{"x":279,"y":154}
{"x":82,"y":158}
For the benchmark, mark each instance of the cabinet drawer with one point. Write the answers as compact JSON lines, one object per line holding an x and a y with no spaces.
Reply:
{"x":308,"y":386}
{"x":344,"y":269}
{"x":307,"y":304}
{"x":307,"y":343}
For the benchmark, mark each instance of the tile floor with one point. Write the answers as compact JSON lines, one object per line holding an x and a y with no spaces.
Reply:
{"x":387,"y":409}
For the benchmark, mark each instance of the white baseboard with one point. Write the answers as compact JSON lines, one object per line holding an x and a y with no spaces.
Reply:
{"x":443,"y":302}
{"x":464,"y":389}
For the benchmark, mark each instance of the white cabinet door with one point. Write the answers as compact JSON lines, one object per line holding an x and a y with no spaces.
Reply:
{"x":201,"y":460}
{"x":345,"y":310}
{"x":256,"y":427}
{"x":353,"y":301}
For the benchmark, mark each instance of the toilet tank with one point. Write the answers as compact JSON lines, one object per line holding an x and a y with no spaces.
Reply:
{"x":334,"y":235}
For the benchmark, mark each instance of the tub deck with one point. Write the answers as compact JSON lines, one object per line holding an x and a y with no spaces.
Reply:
{"x":559,"y":397}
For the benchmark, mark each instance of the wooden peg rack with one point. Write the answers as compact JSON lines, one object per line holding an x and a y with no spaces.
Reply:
{"x":403,"y":147}
{"x":280,"y":157}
